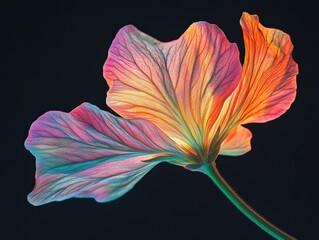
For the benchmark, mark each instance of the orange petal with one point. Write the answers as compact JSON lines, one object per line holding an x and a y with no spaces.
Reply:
{"x":237,"y":142}
{"x":180,"y":86}
{"x":268,"y":84}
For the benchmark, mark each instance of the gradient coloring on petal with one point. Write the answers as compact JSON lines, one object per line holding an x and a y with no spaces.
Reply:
{"x":268,"y":84}
{"x":91,"y":153}
{"x":180,"y":86}
{"x":237,"y":142}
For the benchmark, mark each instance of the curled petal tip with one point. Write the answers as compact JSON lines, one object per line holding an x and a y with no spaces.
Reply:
{"x":246,"y":15}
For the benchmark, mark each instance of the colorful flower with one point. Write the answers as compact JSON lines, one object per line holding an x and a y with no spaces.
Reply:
{"x":182,"y":102}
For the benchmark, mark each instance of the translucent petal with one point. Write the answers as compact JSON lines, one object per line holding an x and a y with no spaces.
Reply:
{"x":267,"y":87}
{"x":268,"y":84}
{"x":91,"y":153}
{"x":180,"y":86}
{"x":237,"y":142}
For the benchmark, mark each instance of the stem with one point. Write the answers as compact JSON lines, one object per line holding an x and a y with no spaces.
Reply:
{"x":213,"y":173}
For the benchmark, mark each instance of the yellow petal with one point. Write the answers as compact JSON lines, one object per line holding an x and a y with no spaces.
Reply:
{"x":237,"y":142}
{"x":180,"y":86}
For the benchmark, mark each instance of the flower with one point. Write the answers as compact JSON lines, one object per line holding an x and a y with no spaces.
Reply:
{"x":182,"y":102}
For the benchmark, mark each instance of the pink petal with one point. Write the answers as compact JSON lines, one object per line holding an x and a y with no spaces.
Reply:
{"x":91,"y":153}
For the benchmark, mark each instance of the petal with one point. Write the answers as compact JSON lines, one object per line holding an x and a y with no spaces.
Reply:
{"x":91,"y":153}
{"x":180,"y":86}
{"x":268,"y":84}
{"x":267,"y":87}
{"x":237,"y":142}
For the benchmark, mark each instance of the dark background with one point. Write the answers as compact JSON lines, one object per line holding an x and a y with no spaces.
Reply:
{"x":53,"y":56}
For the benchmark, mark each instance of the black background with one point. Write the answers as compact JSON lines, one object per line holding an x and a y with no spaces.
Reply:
{"x":53,"y":56}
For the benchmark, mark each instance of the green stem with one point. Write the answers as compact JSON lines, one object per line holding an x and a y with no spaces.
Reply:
{"x":213,"y":173}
